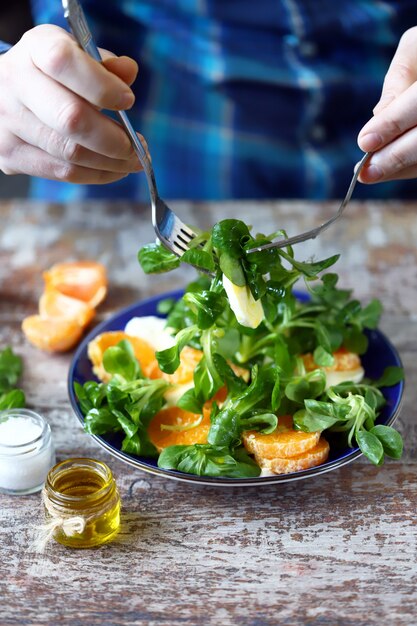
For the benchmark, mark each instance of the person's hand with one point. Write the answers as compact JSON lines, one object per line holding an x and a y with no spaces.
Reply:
{"x":392,"y":132}
{"x":51,"y":93}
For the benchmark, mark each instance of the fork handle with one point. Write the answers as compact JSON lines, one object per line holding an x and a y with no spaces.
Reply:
{"x":76,"y":19}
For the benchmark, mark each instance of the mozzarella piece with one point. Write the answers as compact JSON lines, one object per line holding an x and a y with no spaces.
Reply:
{"x":151,"y":329}
{"x":334,"y":378}
{"x":248,"y":311}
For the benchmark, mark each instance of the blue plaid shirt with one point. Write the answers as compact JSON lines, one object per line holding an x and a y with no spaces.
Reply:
{"x":244,"y":99}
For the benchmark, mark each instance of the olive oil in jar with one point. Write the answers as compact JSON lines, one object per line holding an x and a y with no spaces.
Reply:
{"x":82,"y":500}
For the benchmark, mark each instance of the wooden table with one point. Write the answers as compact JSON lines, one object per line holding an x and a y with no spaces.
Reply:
{"x":340,"y":549}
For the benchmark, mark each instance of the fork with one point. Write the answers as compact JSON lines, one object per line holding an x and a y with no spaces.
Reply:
{"x":170,"y":230}
{"x":312,"y":234}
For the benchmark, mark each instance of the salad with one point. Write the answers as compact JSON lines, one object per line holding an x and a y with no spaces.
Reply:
{"x":241,"y":378}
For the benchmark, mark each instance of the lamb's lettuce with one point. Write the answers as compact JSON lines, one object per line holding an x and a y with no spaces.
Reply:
{"x":11,"y":368}
{"x":259,"y":372}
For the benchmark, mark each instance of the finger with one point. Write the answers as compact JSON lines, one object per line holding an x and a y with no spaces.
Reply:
{"x":72,"y":117}
{"x":406,"y":174}
{"x":30,"y":130}
{"x":58,"y":56}
{"x":395,"y":161}
{"x":124,"y":67}
{"x":402,"y":71}
{"x":26,"y":159}
{"x":394,"y":120}
{"x":144,"y":145}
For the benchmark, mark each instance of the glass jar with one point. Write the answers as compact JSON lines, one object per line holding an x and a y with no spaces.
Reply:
{"x":26,"y":451}
{"x":82,"y":503}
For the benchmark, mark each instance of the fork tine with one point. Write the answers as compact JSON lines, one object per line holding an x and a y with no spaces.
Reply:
{"x":182,"y":231}
{"x":178,"y":236}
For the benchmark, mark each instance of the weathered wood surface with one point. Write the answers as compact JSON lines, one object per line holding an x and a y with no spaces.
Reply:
{"x":340,"y":549}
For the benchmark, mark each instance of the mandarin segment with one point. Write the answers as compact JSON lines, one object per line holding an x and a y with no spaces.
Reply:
{"x":67,"y":306}
{"x":54,"y":304}
{"x":285,"y":441}
{"x":190,"y":428}
{"x":311,"y":458}
{"x":84,"y":280}
{"x":52,"y":334}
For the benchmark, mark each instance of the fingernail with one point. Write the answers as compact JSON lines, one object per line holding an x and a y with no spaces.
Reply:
{"x":373,"y":173}
{"x":370,"y":142}
{"x":126,"y":100}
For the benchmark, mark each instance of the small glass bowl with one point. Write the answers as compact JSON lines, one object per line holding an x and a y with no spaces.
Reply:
{"x":25,"y":464}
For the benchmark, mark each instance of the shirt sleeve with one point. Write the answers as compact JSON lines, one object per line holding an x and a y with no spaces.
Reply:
{"x":4,"y":47}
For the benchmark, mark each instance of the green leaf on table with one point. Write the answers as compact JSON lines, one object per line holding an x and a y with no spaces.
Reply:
{"x":14,"y":399}
{"x":11,"y":367}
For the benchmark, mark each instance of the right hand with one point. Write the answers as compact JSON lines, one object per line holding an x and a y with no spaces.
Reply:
{"x":391,"y":134}
{"x":50,"y":120}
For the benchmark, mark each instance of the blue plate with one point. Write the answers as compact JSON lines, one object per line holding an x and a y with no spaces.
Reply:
{"x":381,"y":353}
